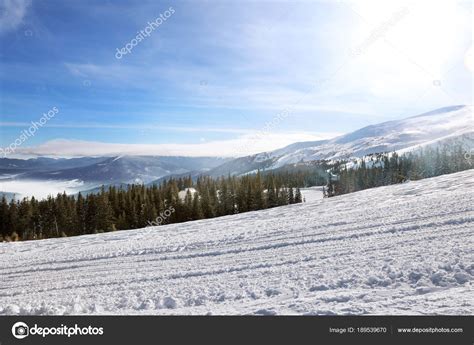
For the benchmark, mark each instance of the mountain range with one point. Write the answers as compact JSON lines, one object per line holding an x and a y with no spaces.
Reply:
{"x":120,"y":169}
{"x":446,"y":125}
{"x":449,"y":124}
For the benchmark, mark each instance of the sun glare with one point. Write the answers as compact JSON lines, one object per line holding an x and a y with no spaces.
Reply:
{"x":428,"y":33}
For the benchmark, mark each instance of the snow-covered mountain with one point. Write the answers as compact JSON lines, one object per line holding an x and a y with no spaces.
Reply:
{"x":9,"y":166}
{"x":41,"y":177}
{"x":400,"y":249}
{"x":107,"y":170}
{"x":448,"y":124}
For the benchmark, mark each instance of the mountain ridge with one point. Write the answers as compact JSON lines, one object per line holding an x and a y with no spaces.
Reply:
{"x":432,"y":127}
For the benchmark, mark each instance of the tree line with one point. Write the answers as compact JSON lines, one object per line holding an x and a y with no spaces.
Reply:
{"x":137,"y":206}
{"x":383,"y":169}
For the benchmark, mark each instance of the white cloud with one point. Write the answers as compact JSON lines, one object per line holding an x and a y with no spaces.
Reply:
{"x":178,"y":129}
{"x":42,"y":189}
{"x":244,"y":145}
{"x":12,"y":13}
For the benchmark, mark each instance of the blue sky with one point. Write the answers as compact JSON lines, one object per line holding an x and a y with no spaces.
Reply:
{"x":214,"y":74}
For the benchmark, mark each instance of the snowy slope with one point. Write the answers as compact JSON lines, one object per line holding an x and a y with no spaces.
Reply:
{"x":402,"y":249}
{"x":446,"y":125}
{"x":438,"y":125}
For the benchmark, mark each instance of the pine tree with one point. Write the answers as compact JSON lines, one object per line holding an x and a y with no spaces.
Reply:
{"x":105,"y":217}
{"x":196,"y":211}
{"x":24,"y":217}
{"x":12,"y":220}
{"x":298,"y":196}
{"x":122,"y":223}
{"x":272,"y":199}
{"x":188,"y":206}
{"x":206,"y":205}
{"x":36,"y":220}
{"x":291,"y":197}
{"x":241,"y":198}
{"x":283,"y":198}
{"x":92,"y":216}
{"x":4,"y":217}
{"x":258,"y":193}
{"x":80,"y":227}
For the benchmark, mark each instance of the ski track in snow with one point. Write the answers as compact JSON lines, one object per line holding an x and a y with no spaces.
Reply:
{"x":402,"y":249}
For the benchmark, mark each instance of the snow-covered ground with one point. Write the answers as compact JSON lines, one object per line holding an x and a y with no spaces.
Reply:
{"x":312,"y":193}
{"x":403,"y":249}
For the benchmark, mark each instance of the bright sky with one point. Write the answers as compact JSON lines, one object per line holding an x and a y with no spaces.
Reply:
{"x":214,"y":76}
